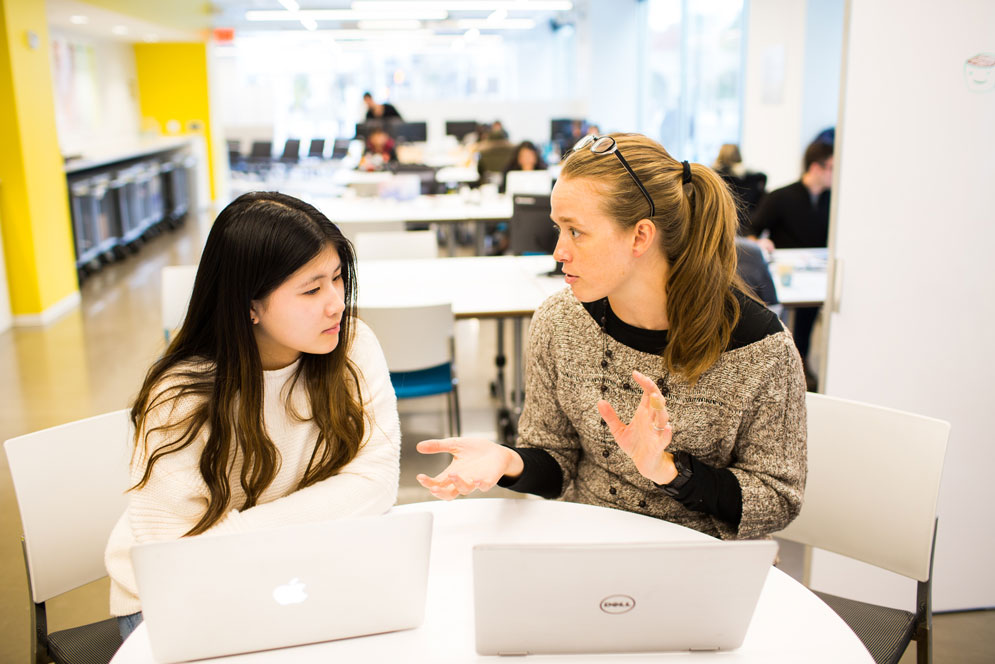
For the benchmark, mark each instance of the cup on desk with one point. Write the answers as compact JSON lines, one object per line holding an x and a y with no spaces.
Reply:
{"x":784,"y":272}
{"x":488,"y":192}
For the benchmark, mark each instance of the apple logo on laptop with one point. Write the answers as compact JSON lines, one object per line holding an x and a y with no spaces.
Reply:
{"x":291,"y":592}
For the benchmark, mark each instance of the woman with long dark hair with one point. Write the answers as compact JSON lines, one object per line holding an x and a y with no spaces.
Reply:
{"x":655,"y":383}
{"x":272,"y":405}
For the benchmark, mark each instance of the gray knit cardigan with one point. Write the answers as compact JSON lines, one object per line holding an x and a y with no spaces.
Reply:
{"x":746,"y":413}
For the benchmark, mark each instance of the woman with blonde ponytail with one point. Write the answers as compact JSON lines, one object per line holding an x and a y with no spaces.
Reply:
{"x":656,"y":383}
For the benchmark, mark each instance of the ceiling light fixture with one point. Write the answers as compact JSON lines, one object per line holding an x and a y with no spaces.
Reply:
{"x":387,"y":24}
{"x":290,"y":5}
{"x":78,"y":19}
{"x":488,"y":24}
{"x":120,"y":30}
{"x":345,"y":15}
{"x":464,"y":5}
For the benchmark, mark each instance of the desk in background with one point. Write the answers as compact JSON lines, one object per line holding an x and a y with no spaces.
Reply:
{"x":790,"y":624}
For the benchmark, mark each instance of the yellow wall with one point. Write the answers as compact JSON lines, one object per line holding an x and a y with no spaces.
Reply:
{"x":37,"y":235}
{"x":172,"y":85}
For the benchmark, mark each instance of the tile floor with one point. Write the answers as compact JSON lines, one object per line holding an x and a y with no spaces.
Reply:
{"x":92,"y":361}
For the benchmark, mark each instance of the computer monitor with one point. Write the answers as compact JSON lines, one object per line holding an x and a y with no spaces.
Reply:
{"x":410,"y":132}
{"x":561,"y":131}
{"x":530,"y":229}
{"x":460,"y":128}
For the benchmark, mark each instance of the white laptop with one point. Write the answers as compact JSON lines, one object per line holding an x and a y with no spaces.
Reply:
{"x":226,"y":594}
{"x":595,"y":598}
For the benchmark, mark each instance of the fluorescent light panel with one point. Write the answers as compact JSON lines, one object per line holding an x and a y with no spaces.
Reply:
{"x":345,"y":15}
{"x":464,"y":5}
{"x":488,"y":24}
{"x":387,"y":24}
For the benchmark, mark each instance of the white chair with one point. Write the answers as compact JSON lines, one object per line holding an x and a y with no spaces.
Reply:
{"x":418,"y":344}
{"x":873,"y":481}
{"x":177,"y":285}
{"x":396,"y":244}
{"x":70,"y":483}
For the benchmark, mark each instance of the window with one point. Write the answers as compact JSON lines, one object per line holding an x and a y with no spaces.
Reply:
{"x":694,"y":75}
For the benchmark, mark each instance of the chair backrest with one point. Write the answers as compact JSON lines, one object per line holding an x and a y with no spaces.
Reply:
{"x":70,"y":483}
{"x":396,"y":244}
{"x":873,"y":482}
{"x":262,"y":149}
{"x":291,"y":150}
{"x":177,"y":285}
{"x":412,"y":338}
{"x":316,"y":148}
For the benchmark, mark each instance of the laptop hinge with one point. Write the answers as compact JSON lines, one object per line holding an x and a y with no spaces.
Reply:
{"x":521,"y":653}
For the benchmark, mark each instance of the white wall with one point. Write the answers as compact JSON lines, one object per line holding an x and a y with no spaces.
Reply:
{"x":610,"y":69}
{"x":96,"y":103}
{"x":914,"y":226}
{"x":773,"y":90}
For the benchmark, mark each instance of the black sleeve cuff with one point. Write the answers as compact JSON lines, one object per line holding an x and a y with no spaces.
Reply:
{"x":542,"y":475}
{"x":715,"y":491}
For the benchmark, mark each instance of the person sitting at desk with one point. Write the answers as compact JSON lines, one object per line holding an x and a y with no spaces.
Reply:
{"x":797,"y":216}
{"x":526,"y":157}
{"x":655,"y":383}
{"x":375,"y":111}
{"x":271,"y":406}
{"x":748,"y":187}
{"x":380,"y":152}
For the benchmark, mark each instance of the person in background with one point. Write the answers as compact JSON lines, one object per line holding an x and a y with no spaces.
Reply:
{"x":271,"y":406}
{"x":380,"y":151}
{"x":655,"y":383}
{"x":797,"y":216}
{"x":526,"y":157}
{"x":497,"y":132}
{"x":375,"y":111}
{"x":747,"y":187}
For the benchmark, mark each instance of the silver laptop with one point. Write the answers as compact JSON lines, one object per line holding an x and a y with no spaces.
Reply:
{"x":594,"y":598}
{"x":226,"y":594}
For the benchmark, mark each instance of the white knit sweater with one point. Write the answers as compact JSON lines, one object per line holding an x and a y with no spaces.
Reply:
{"x":175,"y":497}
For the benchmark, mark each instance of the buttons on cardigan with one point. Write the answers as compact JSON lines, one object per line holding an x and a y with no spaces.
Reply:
{"x":605,"y":453}
{"x":642,"y":503}
{"x":612,"y":490}
{"x":604,"y":364}
{"x":604,"y":388}
{"x":608,"y":353}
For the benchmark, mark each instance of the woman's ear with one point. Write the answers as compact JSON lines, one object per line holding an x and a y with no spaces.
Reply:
{"x":643,"y":237}
{"x":254,"y":312}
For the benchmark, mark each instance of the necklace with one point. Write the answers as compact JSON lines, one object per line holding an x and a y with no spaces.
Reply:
{"x":607,"y":440}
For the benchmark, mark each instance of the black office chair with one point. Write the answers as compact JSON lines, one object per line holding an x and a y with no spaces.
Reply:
{"x":291,"y":151}
{"x":317,"y":148}
{"x":340,"y":148}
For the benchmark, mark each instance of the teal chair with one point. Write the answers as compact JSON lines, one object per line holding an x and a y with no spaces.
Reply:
{"x":418,"y":344}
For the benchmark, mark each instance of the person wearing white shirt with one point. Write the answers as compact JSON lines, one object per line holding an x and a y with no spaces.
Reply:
{"x":271,"y":406}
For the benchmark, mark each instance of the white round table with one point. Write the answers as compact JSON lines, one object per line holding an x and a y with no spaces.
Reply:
{"x":790,"y":624}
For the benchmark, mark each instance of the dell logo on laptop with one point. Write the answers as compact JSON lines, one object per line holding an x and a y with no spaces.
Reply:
{"x":617,"y":604}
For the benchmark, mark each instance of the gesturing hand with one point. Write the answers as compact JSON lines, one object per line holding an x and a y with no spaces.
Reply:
{"x":646,"y":437}
{"x":477,"y":464}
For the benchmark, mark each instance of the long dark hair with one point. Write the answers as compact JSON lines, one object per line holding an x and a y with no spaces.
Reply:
{"x":256,"y":243}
